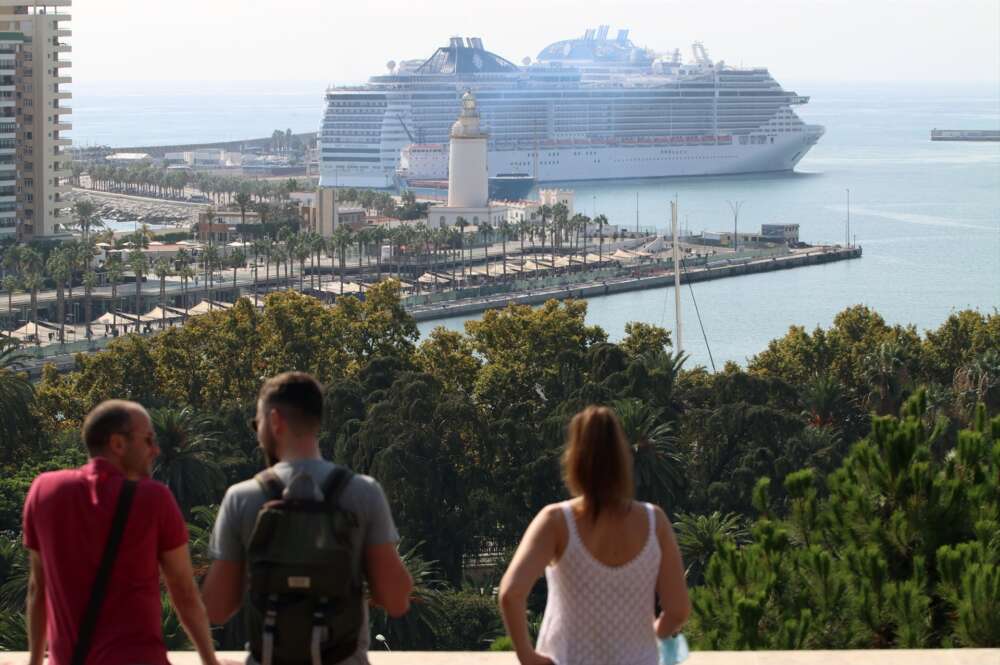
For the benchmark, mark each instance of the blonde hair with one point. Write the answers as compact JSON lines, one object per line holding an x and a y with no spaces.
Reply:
{"x":597,"y":462}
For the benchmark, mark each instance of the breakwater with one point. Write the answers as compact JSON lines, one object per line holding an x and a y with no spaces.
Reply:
{"x":720,"y":269}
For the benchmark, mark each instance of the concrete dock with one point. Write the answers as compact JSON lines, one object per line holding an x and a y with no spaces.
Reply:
{"x":719,"y":269}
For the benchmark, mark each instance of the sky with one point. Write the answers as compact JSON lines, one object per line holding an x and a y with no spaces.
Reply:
{"x":345,"y":41}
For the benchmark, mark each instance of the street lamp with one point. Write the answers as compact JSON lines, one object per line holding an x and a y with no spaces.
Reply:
{"x":735,"y":207}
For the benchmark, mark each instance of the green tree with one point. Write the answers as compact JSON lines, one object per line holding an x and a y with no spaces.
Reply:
{"x":139,"y":265}
{"x":659,"y":466}
{"x":16,"y":396}
{"x":899,"y":550}
{"x":10,"y":284}
{"x":186,"y":463}
{"x":642,"y":338}
{"x":161,"y":268}
{"x":85,"y":212}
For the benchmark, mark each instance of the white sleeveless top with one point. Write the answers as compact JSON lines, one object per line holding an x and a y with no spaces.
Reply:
{"x":598,"y":614}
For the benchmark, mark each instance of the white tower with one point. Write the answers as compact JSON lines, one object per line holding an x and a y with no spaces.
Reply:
{"x":467,"y":175}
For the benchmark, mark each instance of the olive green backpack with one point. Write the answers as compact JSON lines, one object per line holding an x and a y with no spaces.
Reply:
{"x":305,"y":590}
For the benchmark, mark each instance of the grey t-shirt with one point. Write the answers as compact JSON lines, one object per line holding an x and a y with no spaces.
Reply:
{"x":363,"y":496}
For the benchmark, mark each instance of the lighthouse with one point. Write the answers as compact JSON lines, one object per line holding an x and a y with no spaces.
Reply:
{"x":467,"y":174}
{"x":468,"y":178}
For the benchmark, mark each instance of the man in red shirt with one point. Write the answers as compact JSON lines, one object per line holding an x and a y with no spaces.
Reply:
{"x":67,"y":522}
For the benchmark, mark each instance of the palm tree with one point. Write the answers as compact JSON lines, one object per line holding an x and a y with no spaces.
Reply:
{"x":362,"y":236}
{"x":426,"y":618}
{"x":601,"y":221}
{"x":31,"y":265}
{"x":186,"y":273}
{"x":560,"y":215}
{"x":486,"y":229}
{"x":544,"y":213}
{"x":580,"y":222}
{"x":186,"y":463}
{"x":85,"y":212}
{"x":114,"y":268}
{"x":10,"y":284}
{"x":243,"y":201}
{"x":823,"y":399}
{"x":659,"y":469}
{"x":885,"y":371}
{"x":504,"y":231}
{"x":162,"y":269}
{"x":523,"y":228}
{"x":139,"y":264}
{"x":237,"y":260}
{"x":16,"y":393}
{"x":698,"y":536}
{"x":461,"y":224}
{"x":210,"y":259}
{"x":59,"y":269}
{"x":89,"y":282}
{"x":277,"y":254}
{"x":341,"y":239}
{"x":303,"y":250}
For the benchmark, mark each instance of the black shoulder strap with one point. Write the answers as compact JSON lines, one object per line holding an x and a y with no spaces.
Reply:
{"x":335,"y":484}
{"x":100,"y":587}
{"x":270,"y":483}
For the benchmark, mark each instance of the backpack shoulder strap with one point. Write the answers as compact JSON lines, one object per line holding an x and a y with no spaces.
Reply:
{"x":100,"y":586}
{"x":270,"y":483}
{"x":335,"y":484}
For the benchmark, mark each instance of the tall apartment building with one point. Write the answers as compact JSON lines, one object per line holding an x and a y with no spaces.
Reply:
{"x":33,"y":118}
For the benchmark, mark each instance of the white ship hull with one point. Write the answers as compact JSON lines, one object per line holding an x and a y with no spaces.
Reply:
{"x":609,"y":162}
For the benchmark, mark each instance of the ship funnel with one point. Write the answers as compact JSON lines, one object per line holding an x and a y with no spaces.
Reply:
{"x":622,"y":36}
{"x":455,"y":42}
{"x":589,"y":35}
{"x":602,"y":32}
{"x":476,"y":43}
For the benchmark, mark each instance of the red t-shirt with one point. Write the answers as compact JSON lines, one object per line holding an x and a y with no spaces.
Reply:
{"x":67,"y":519}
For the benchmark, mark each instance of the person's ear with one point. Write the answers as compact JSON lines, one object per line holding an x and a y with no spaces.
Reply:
{"x":117,"y":444}
{"x":276,"y":422}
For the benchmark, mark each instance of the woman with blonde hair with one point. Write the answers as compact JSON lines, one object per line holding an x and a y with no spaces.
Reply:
{"x":606,"y":558}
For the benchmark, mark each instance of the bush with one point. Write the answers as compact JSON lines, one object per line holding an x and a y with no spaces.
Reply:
{"x":472,"y":621}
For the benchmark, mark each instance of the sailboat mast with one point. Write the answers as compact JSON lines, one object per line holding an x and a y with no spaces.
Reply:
{"x":678,"y":344}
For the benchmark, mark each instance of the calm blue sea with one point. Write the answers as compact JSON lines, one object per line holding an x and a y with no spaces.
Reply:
{"x":927,"y":214}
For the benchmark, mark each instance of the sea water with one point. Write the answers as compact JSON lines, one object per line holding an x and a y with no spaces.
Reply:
{"x":926,"y":214}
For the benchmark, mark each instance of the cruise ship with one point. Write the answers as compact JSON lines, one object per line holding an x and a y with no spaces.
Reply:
{"x":591,"y":108}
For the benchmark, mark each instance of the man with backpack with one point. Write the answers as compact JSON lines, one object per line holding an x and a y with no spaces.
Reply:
{"x":302,"y":537}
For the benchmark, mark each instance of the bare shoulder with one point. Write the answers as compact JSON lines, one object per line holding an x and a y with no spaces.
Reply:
{"x":663,"y":525}
{"x":551,"y":515}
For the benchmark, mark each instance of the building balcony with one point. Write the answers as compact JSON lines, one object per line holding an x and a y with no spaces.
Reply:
{"x":4,"y":167}
{"x":64,"y":32}
{"x":62,"y":126}
{"x":63,"y":110}
{"x":63,"y":48}
{"x":64,"y":80}
{"x":62,"y":94}
{"x":63,"y":63}
{"x":60,"y":141}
